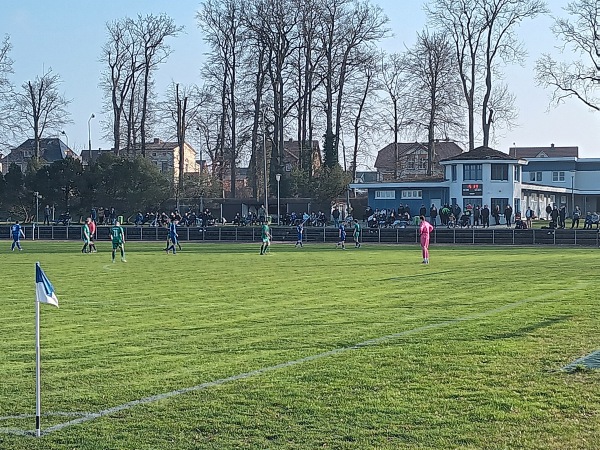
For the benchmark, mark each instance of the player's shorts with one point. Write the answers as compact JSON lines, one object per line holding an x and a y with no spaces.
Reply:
{"x":173,"y":238}
{"x":265,"y":240}
{"x":117,"y":244}
{"x":86,"y":241}
{"x":342,"y":237}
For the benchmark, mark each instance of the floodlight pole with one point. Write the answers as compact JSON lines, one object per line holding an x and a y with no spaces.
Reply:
{"x":266,"y":183}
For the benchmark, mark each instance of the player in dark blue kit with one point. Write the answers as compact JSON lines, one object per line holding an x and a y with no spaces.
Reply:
{"x":17,"y":231}
{"x":342,"y":239}
{"x":299,"y":230}
{"x":173,"y":236}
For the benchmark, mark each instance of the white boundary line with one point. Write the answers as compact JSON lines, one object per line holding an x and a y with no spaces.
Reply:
{"x":376,"y":341}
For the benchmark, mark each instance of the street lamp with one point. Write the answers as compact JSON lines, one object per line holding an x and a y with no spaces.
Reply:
{"x":265,"y":161}
{"x":37,"y":212}
{"x":90,"y":135}
{"x":278,"y":178}
{"x":64,"y":133}
{"x":572,"y":191}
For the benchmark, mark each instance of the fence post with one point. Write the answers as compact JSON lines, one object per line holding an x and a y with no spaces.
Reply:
{"x":473,"y":230}
{"x":379,"y":235}
{"x":575,"y":235}
{"x":67,"y":232}
{"x":220,"y":234}
{"x":493,"y":236}
{"x":533,"y":229}
{"x":513,"y":237}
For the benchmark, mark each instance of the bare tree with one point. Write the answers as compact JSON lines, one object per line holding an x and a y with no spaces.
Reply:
{"x":41,"y":108}
{"x":359,"y":105}
{"x":133,"y":51}
{"x":120,"y":54}
{"x":151,"y":32}
{"x":347,"y":25}
{"x":7,"y":125}
{"x":434,"y":86}
{"x":395,"y":84}
{"x":222,"y":23}
{"x":483,"y":34}
{"x":581,"y":36}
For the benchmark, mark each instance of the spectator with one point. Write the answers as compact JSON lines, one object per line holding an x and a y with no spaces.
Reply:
{"x":548,"y":212}
{"x":562,"y":216}
{"x":576,"y":217}
{"x":496,"y":214}
{"x":46,"y":215}
{"x":554,"y":217}
{"x":529,"y":216}
{"x":261,"y":215}
{"x":476,"y":215}
{"x":422,"y":210}
{"x":485,"y":216}
{"x":433,"y":213}
{"x":508,"y":211}
{"x":336,"y":217}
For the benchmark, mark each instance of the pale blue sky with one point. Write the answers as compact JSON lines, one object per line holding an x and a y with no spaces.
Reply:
{"x":67,"y":35}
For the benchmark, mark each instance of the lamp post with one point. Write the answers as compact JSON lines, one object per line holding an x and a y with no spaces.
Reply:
{"x":573,"y":191}
{"x":278,"y":178}
{"x":63,"y":132}
{"x":90,"y":134}
{"x":37,"y":212}
{"x":265,"y":161}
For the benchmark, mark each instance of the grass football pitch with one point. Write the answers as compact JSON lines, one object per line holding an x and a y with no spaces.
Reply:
{"x":218,"y":347}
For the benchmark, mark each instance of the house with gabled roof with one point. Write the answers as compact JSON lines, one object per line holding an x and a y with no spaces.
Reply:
{"x":544,"y":152}
{"x":51,"y":149}
{"x":408,"y":160}
{"x":293,"y":153}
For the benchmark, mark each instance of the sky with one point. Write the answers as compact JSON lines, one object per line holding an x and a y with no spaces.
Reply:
{"x":67,"y":35}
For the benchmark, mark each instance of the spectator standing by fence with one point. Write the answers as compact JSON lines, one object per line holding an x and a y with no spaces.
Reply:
{"x":576,"y":217}
{"x":485,"y":216}
{"x":46,"y":215}
{"x":433,"y":212}
{"x":508,"y":211}
{"x":529,"y":216}
{"x":336,"y":217}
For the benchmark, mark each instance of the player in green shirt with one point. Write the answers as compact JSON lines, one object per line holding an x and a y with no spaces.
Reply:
{"x":266,"y":236}
{"x":86,"y":236}
{"x":118,"y":241}
{"x":356,"y":234}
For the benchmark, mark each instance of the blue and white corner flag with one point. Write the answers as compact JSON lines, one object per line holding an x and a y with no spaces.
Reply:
{"x":44,"y":291}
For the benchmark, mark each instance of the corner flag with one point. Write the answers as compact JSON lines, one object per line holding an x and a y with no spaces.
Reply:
{"x":44,"y":291}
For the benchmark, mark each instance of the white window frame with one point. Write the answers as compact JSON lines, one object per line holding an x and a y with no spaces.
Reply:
{"x":385,"y":195}
{"x":558,"y":176}
{"x":408,"y":194}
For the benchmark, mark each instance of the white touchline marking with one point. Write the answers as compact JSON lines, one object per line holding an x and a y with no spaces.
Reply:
{"x":154,"y":398}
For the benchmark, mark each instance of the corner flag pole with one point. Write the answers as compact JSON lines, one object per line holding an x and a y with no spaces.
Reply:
{"x":38,"y":393}
{"x":44,"y":293}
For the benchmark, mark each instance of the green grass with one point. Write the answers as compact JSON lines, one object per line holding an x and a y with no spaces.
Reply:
{"x":481,"y":335}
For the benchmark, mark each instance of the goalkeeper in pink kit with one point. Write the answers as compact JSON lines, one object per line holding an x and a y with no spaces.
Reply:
{"x":425,"y":229}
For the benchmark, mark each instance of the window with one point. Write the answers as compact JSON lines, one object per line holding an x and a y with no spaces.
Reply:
{"x":472,"y":172}
{"x":164,"y":166}
{"x":558,"y":176}
{"x":517,"y":176}
{"x":535,"y":176}
{"x":417,"y":194}
{"x":453,"y":168}
{"x":423,"y":163}
{"x":410,"y":162}
{"x":385,"y":195}
{"x":500,"y":172}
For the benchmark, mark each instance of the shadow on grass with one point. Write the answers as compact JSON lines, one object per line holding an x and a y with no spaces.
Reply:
{"x":530,"y":328}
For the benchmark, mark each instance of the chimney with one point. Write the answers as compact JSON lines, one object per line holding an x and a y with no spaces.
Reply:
{"x":156,"y":140}
{"x":552,"y":145}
